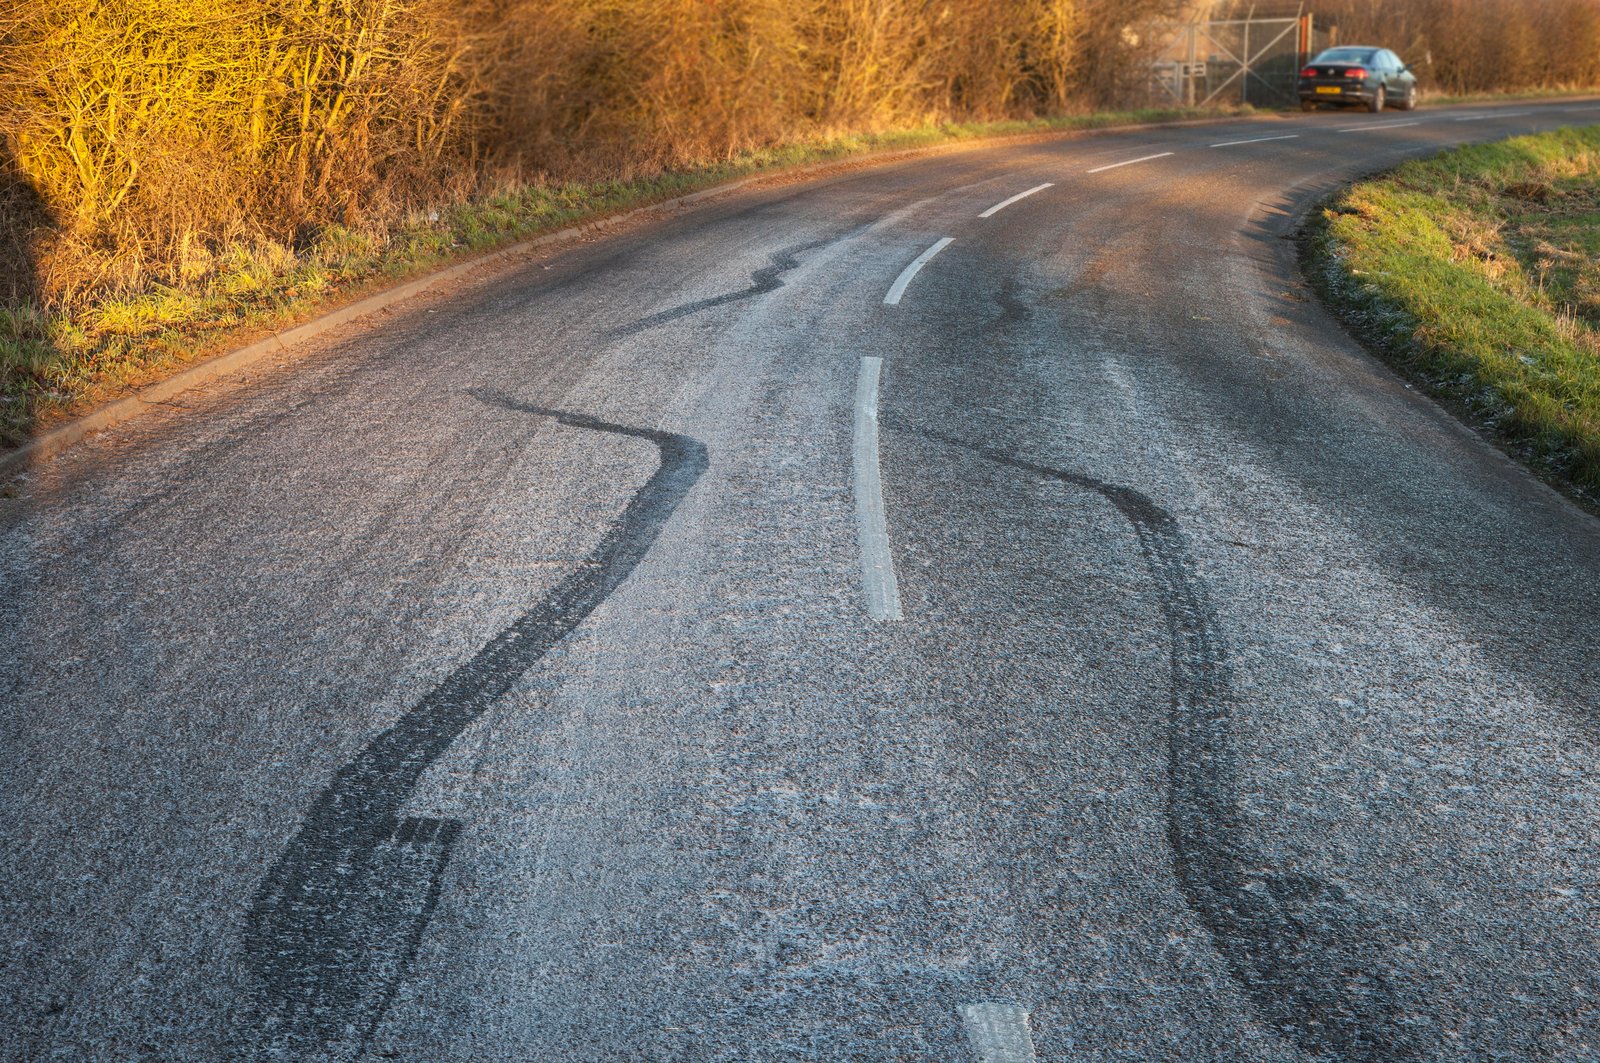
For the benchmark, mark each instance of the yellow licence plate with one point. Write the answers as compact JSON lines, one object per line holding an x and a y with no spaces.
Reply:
{"x":1329,"y":90}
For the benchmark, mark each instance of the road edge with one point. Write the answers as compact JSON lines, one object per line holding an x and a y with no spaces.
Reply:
{"x":1316,"y":264}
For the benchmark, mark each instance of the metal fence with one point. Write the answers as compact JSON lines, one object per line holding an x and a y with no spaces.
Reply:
{"x":1248,"y":60}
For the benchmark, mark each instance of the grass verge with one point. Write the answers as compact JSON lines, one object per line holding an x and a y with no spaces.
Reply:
{"x":1446,"y":100}
{"x":58,"y":363}
{"x":1477,"y":274}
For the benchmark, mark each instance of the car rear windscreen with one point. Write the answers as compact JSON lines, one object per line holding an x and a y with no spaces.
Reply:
{"x":1346,"y":55}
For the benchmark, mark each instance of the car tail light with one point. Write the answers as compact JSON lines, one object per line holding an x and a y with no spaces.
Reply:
{"x":1309,"y":72}
{"x":1356,"y":72}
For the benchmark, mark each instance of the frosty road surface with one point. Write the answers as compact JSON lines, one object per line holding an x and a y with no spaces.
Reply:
{"x":678,"y":649}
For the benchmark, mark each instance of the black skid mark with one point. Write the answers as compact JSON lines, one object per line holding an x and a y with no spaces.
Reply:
{"x":1013,"y":310}
{"x":768,"y":278}
{"x":1306,"y":954}
{"x":339,"y":917}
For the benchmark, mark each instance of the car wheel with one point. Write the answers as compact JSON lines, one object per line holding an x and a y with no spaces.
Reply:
{"x":1410,"y":102}
{"x":1379,"y":98}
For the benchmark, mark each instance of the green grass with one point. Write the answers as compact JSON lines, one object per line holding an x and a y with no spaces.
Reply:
{"x":1477,"y":273}
{"x":55,"y":364}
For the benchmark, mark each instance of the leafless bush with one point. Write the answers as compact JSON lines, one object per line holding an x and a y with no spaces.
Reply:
{"x":150,"y":127}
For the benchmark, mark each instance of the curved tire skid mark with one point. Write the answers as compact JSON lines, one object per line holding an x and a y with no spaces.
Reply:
{"x":1299,"y":946}
{"x":339,"y":917}
{"x":769,"y":278}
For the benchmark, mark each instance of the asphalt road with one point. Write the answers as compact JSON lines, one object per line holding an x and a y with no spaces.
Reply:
{"x":701,"y":645}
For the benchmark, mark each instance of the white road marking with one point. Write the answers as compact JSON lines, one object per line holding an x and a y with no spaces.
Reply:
{"x":1497,"y":114}
{"x":999,"y":1033}
{"x":998,"y":207}
{"x":872,"y":529}
{"x":899,"y":287}
{"x":1257,"y":140}
{"x":1130,"y":162}
{"x":1385,"y":125}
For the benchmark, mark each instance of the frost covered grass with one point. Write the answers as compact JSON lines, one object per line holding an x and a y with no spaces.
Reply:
{"x":1477,"y":273}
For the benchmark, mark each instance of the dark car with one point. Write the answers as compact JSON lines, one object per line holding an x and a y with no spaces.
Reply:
{"x":1374,"y":78}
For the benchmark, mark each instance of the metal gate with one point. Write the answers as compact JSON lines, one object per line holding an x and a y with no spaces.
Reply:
{"x":1248,"y":60}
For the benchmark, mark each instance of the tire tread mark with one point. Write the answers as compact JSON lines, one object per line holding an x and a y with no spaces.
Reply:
{"x":1304,"y":953}
{"x":338,"y":919}
{"x":767,"y":279}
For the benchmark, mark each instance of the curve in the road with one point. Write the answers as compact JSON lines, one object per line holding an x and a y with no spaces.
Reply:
{"x":340,"y":916}
{"x":1296,"y":943}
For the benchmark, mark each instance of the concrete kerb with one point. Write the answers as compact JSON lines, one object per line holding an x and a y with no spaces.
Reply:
{"x":219,"y":367}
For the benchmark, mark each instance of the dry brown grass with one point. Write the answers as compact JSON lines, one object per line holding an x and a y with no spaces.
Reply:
{"x":154,"y":133}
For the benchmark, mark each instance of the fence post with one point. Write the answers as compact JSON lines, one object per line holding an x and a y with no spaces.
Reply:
{"x":1244,"y":56}
{"x":1189,"y":76}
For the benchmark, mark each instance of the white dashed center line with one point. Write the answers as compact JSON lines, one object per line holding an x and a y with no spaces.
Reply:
{"x":998,"y":207}
{"x":1256,"y":140}
{"x":999,"y":1033}
{"x":899,"y":287}
{"x":872,"y":526}
{"x":1129,"y":162}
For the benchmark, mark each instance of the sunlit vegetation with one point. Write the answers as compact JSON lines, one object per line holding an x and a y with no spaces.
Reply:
{"x":1478,"y":272}
{"x":157,"y":131}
